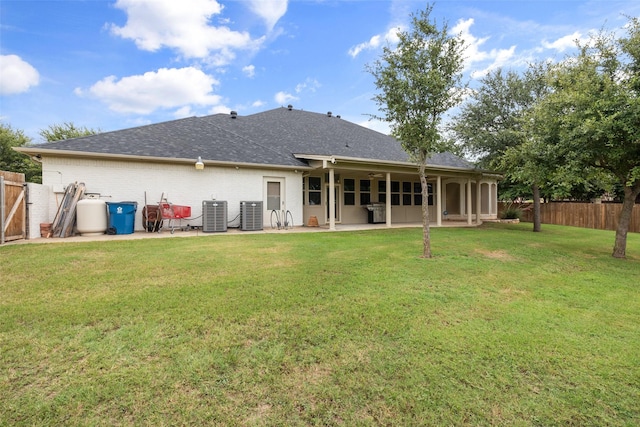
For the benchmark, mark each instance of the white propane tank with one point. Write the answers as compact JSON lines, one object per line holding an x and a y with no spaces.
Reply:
{"x":91,"y":216}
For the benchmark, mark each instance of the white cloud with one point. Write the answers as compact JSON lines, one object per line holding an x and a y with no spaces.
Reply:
{"x":166,"y":88}
{"x":284,"y":98}
{"x":473,"y":50}
{"x":182,"y":25}
{"x":183,"y":112}
{"x":16,"y":75}
{"x":472,"y":44}
{"x":501,"y":57}
{"x":309,"y":85}
{"x":269,"y":10}
{"x":376,"y":41}
{"x":564,"y":43}
{"x":249,"y":71}
{"x":258,"y":103}
{"x":220,"y":109}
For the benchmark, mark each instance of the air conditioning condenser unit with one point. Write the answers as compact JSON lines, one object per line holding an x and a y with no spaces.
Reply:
{"x":214,"y":216}
{"x":250,"y":216}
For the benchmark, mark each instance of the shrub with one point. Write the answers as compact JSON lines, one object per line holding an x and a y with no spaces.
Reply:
{"x":511,"y":213}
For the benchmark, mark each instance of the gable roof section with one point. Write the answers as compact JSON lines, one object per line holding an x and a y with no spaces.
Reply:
{"x":268,"y":138}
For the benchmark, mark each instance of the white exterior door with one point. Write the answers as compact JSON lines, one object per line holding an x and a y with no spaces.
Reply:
{"x":274,"y":197}
{"x":337,"y":206}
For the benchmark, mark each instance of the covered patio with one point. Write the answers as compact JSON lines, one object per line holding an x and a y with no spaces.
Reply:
{"x":339,"y":191}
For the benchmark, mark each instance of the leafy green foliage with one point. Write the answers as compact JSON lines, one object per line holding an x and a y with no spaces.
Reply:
{"x":512,"y":212}
{"x":67,"y":130}
{"x":570,"y":130}
{"x":594,"y":111}
{"x":489,"y":122}
{"x":492,"y":126}
{"x":419,"y":81}
{"x":11,"y":160}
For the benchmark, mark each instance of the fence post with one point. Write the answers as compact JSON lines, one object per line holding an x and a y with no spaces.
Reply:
{"x":2,"y":213}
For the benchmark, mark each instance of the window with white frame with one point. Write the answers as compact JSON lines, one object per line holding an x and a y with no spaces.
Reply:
{"x":382,"y":191}
{"x":349,"y":190}
{"x":407,"y":193}
{"x":395,"y":193}
{"x":417,"y":194}
{"x":365,"y":192}
{"x":315,"y":190}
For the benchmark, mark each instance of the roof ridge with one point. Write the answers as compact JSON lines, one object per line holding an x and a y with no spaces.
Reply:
{"x":243,"y":137}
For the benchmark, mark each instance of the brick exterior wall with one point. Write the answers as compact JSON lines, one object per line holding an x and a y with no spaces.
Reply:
{"x":38,"y":208}
{"x":120,"y":181}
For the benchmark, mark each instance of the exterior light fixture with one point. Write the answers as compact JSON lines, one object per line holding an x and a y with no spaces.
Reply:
{"x":199,"y":164}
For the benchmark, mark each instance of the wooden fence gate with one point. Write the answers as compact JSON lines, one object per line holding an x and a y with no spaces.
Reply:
{"x":13,"y":207}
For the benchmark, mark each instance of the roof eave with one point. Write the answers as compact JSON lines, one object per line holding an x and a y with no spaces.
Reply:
{"x":369,"y":164}
{"x":39,"y":152}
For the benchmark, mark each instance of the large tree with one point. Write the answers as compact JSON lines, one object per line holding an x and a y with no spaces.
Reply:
{"x":596,"y":107}
{"x":11,"y":160}
{"x":492,"y":123}
{"x":419,"y":80}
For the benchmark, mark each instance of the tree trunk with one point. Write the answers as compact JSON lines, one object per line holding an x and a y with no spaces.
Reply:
{"x":536,"y":208}
{"x":630,"y":194}
{"x":426,"y":232}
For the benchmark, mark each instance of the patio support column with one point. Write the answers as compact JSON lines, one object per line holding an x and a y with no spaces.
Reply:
{"x":439,"y":200}
{"x":332,"y":200}
{"x":490,"y":199}
{"x":388,"y":200}
{"x":493,"y":196}
{"x":469,"y":207}
{"x":463,"y":199}
{"x":478,"y":202}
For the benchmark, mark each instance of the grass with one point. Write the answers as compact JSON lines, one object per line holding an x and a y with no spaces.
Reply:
{"x":502,"y":327}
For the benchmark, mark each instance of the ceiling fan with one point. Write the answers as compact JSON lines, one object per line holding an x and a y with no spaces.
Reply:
{"x":375,"y":175}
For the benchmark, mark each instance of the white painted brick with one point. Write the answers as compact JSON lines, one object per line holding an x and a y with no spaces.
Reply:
{"x":119,"y":181}
{"x":39,"y":208}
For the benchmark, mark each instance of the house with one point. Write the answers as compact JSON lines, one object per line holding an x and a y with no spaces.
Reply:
{"x":308,"y":163}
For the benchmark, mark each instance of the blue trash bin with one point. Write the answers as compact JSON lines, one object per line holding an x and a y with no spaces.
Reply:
{"x":122,"y":217}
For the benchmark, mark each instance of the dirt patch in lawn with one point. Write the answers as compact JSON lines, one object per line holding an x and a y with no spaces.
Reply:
{"x":501,"y":255}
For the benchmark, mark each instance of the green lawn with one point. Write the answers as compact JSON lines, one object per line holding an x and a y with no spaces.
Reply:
{"x":502,"y":327}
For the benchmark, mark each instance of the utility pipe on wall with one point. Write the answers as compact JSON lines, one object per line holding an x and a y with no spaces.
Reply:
{"x":478,"y":201}
{"x":469,"y":208}
{"x":439,"y":201}
{"x":332,"y":200}
{"x":388,"y":200}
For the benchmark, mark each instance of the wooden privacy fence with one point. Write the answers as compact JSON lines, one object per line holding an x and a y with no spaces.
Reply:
{"x":13,"y":207}
{"x":603,"y":216}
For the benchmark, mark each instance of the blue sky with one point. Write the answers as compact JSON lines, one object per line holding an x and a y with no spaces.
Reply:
{"x":123,"y":63}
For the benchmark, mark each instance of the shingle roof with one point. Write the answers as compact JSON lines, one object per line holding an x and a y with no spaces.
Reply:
{"x":271,"y":137}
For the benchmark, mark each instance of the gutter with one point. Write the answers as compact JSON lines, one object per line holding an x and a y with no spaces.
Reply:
{"x":37,"y":154}
{"x":384,"y":165}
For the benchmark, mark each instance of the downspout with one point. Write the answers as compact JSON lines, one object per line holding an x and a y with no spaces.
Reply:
{"x":478,"y":201}
{"x":468,"y":204}
{"x":388,"y":200}
{"x":332,"y":200}
{"x":439,"y":201}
